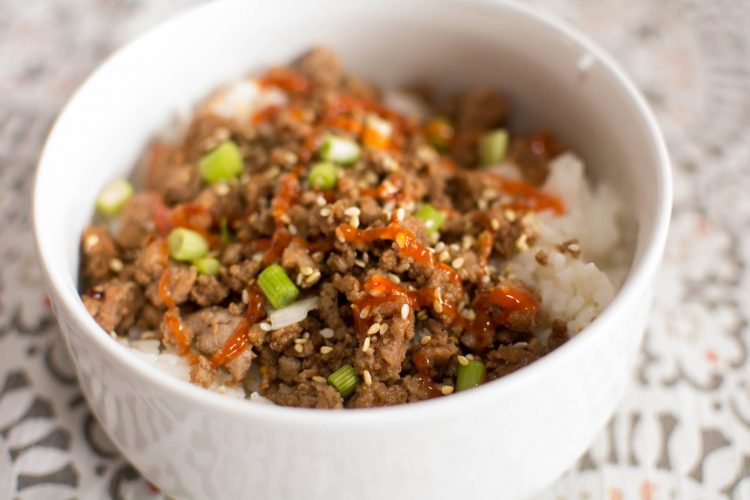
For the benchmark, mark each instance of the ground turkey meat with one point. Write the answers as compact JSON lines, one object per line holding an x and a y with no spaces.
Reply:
{"x":338,"y":237}
{"x":114,"y":304}
{"x":212,"y":327}
{"x":98,"y":251}
{"x":305,"y":395}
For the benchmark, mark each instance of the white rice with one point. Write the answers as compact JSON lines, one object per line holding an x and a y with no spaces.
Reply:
{"x":575,"y":290}
{"x":179,"y":367}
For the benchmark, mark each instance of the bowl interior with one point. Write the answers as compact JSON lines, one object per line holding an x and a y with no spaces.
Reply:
{"x":553,"y":81}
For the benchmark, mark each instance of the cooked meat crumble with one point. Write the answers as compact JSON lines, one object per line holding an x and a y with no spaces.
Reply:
{"x":381,"y":233}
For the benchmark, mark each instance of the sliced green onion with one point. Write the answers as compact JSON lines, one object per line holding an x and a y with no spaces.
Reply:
{"x":113,"y":196}
{"x":207,"y":265}
{"x":440,"y":133}
{"x":277,"y":287}
{"x":225,"y":236}
{"x":186,"y":245}
{"x":344,"y":380}
{"x":323,"y":175}
{"x":221,"y":163}
{"x":493,"y":146}
{"x":339,"y":150}
{"x":470,"y":375}
{"x":432,"y":218}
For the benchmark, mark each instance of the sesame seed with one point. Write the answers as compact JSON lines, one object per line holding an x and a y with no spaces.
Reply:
{"x":528,"y":219}
{"x":446,"y":389}
{"x":306,"y":270}
{"x":91,"y":241}
{"x":318,"y":378}
{"x":422,"y":314}
{"x":489,"y":194}
{"x":404,"y":311}
{"x":469,"y":356}
{"x":320,"y":201}
{"x":437,"y":306}
{"x":115,"y":265}
{"x":482,"y":204}
{"x":245,"y":296}
{"x":300,"y":341}
{"x":222,"y":134}
{"x":354,"y":221}
{"x":457,"y":262}
{"x":352,"y":211}
{"x":366,"y":344}
{"x":440,"y":246}
{"x":299,"y":348}
{"x":426,"y":340}
{"x":222,"y":189}
{"x":510,"y":215}
{"x":340,"y":235}
{"x":266,"y":327}
{"x":374,"y":328}
{"x":521,"y":243}
{"x":326,"y":349}
{"x":462,"y":360}
{"x":315,"y":276}
{"x":360,"y":263}
{"x":292,"y":229}
{"x":495,"y":224}
{"x":368,"y":378}
{"x":285,"y":219}
{"x":485,"y":279}
{"x":365,"y":312}
{"x":383,"y":328}
{"x":394,"y":278}
{"x":467,"y":241}
{"x":401,"y":239}
{"x":326,"y":333}
{"x":400,"y":214}
{"x":325,"y":212}
{"x":444,"y":256}
{"x":299,"y":279}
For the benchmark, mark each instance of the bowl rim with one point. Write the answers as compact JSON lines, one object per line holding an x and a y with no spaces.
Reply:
{"x":637,"y":280}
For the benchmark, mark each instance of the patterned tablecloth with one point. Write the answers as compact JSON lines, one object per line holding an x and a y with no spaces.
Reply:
{"x":683,"y":431}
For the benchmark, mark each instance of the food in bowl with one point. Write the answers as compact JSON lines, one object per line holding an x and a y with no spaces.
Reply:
{"x":312,"y":240}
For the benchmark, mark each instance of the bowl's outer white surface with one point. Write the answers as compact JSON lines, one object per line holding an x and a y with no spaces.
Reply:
{"x":504,"y":440}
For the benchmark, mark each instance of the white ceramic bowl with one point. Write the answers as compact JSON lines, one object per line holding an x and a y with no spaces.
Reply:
{"x":506,"y":439}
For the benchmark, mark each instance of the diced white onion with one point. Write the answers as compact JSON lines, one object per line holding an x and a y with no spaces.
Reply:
{"x":257,"y":398}
{"x":382,"y":127}
{"x":405,"y":104}
{"x":508,"y":170}
{"x":279,"y":318}
{"x":240,"y":100}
